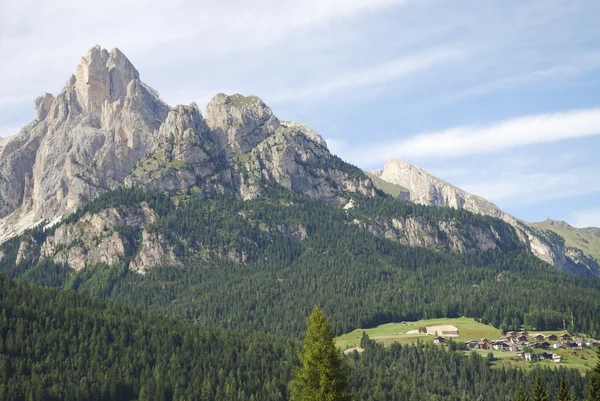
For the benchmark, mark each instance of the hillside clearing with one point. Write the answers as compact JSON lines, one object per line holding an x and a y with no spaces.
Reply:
{"x":408,"y":332}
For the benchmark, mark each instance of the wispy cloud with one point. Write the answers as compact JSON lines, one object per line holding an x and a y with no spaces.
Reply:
{"x":585,"y":218}
{"x":489,"y":138}
{"x":582,"y":64}
{"x":530,"y":188}
{"x":374,"y":75}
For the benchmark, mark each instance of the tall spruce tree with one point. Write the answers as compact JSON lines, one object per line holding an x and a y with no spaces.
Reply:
{"x":593,"y":393}
{"x":564,"y":394}
{"x":539,"y":390}
{"x":522,"y":394}
{"x":322,"y":375}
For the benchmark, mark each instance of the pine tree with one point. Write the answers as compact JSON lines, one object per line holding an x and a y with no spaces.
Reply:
{"x":522,"y":395}
{"x":322,"y":375}
{"x":593,"y":393}
{"x":563,"y":393}
{"x":539,"y":391}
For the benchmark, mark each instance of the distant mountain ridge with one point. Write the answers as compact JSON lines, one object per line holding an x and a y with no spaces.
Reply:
{"x":426,"y":189}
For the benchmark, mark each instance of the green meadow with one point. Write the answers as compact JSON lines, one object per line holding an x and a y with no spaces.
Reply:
{"x":389,"y":333}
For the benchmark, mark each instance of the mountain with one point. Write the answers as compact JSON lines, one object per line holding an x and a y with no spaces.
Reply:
{"x":106,"y":128}
{"x":426,"y":189}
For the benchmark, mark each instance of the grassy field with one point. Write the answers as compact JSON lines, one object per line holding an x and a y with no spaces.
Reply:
{"x":389,"y":333}
{"x":575,"y":238}
{"x":469,"y":329}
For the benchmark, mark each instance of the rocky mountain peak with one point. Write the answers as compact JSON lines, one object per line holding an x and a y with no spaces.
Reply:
{"x":103,"y":76}
{"x":239,"y":123}
{"x":424,"y":188}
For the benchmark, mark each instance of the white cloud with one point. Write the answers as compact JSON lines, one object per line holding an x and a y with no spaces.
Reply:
{"x":520,"y":189}
{"x":582,"y":64}
{"x":378,"y":74}
{"x":585,"y":218}
{"x":490,"y":138}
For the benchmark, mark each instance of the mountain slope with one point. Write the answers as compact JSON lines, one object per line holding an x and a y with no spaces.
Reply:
{"x":106,"y":129}
{"x":585,"y":239}
{"x":426,"y":189}
{"x":254,"y":264}
{"x":58,"y":345}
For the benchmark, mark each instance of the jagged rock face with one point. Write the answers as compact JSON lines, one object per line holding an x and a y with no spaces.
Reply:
{"x":153,"y":252}
{"x":440,"y":235}
{"x":239,"y":123}
{"x":426,"y":189}
{"x":94,"y":239}
{"x":293,"y":159}
{"x":184,"y":152}
{"x":84,"y":141}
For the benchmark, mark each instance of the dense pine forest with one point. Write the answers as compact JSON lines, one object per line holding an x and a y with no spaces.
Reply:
{"x":60,"y":345}
{"x":361,"y":279}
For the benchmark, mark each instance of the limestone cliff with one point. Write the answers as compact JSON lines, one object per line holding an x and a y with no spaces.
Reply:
{"x":426,"y":189}
{"x":83,"y":141}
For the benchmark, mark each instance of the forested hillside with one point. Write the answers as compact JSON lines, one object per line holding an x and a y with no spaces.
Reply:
{"x":59,"y":345}
{"x":263,"y":264}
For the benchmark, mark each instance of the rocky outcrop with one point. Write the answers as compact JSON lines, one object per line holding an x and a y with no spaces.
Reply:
{"x":95,"y":238}
{"x":43,"y":104}
{"x":154,"y":251}
{"x":239,"y":123}
{"x":426,"y":189}
{"x":295,"y":157}
{"x":184,"y":153}
{"x":439,"y":235}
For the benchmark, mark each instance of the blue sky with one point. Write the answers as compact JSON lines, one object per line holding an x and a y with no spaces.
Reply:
{"x":501,"y":98}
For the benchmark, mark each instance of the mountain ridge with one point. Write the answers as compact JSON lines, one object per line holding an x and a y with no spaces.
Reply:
{"x":107,"y":129}
{"x":92,"y":136}
{"x":426,"y":189}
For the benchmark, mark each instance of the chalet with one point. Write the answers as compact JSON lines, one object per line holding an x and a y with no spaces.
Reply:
{"x":557,"y":345}
{"x":545,"y":345}
{"x":500,"y":346}
{"x":581,"y":343}
{"x":521,"y":355}
{"x":538,"y":337}
{"x":565,"y":337}
{"x":522,"y":339}
{"x":572,"y":345}
{"x":472,"y":344}
{"x":484,"y":343}
{"x":514,"y":347}
{"x":556,"y":358}
{"x":511,"y":334}
{"x":440,"y":341}
{"x":591,"y":343}
{"x":544,"y":356}
{"x":551,"y":337}
{"x":523,"y":333}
